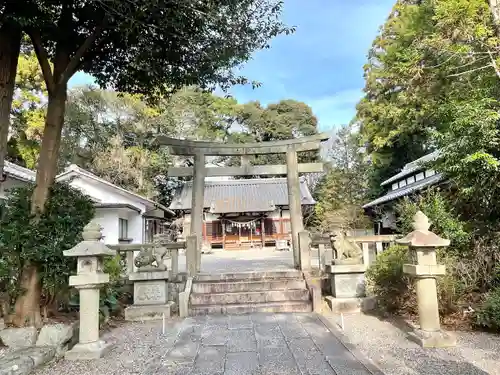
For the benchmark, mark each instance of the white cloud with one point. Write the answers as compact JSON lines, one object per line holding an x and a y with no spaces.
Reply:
{"x":337,"y":109}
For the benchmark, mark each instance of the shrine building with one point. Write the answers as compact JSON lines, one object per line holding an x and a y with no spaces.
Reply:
{"x":242,"y":213}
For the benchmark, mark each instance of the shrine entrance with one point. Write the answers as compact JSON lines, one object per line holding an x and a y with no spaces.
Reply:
{"x":248,"y":230}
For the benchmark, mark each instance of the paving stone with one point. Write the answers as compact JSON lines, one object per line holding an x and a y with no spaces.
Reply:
{"x":210,"y":360}
{"x":291,"y":327}
{"x":269,"y":336}
{"x":243,"y":363}
{"x":263,"y":318}
{"x":183,"y":352}
{"x":347,"y":368}
{"x":214,"y":335}
{"x":221,"y":321}
{"x":240,"y":322}
{"x":242,"y":340}
{"x":277,"y":361}
{"x":309,"y":359}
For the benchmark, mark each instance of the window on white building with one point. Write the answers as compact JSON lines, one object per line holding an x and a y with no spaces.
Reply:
{"x":402,"y":183}
{"x":394,"y":186}
{"x":410,"y":180}
{"x":419,"y":176}
{"x":122,"y":228}
{"x":430,"y":172}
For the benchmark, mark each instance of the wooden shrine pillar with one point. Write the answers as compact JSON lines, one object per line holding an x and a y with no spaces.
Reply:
{"x":294,"y":201}
{"x":197,"y":204}
{"x":263,"y":231}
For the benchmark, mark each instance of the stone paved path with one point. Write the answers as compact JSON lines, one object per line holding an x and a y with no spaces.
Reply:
{"x":256,"y":344}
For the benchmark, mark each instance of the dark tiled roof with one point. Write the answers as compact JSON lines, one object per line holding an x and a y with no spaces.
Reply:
{"x":253,"y":195}
{"x":412,"y":167}
{"x":408,"y":189}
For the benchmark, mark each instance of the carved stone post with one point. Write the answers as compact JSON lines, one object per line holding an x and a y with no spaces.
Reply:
{"x":422,"y":245}
{"x":294,"y":201}
{"x":88,"y":280}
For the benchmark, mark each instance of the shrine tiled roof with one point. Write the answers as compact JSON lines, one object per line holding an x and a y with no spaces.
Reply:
{"x":244,"y":195}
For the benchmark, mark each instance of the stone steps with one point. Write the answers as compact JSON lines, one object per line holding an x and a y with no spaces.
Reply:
{"x":250,"y":297}
{"x":247,"y":292}
{"x":230,"y":286}
{"x":268,"y":307}
{"x":249,"y":276}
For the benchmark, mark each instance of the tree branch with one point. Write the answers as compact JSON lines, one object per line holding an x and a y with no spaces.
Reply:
{"x":470,"y":71}
{"x":494,"y":64}
{"x":43,"y":60}
{"x":76,"y":59}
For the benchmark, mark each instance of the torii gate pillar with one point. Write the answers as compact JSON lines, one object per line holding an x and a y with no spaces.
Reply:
{"x":197,"y":204}
{"x":294,"y":201}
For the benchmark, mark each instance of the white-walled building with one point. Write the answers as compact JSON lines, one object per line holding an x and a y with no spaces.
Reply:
{"x":126,"y":217}
{"x":14,"y":176}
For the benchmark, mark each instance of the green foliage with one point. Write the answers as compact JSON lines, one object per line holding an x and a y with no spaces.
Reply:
{"x":444,"y":219}
{"x":431,"y":82}
{"x":41,"y":243}
{"x":286,"y":119}
{"x":387,"y":282}
{"x":342,"y":190}
{"x":488,"y":315}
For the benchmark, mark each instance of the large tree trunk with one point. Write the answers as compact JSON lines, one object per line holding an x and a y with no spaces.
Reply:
{"x":49,"y":152}
{"x":10,"y":44}
{"x":27,"y":308}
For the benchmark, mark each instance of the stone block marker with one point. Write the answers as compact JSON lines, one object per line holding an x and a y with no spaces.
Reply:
{"x":88,"y":280}
{"x":422,"y":245}
{"x":151,"y":300}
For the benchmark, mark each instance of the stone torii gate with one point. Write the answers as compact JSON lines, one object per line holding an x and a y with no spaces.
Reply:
{"x":201,"y":149}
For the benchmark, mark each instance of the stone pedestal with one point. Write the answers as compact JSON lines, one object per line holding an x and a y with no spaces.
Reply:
{"x":151,"y":300}
{"x":88,"y":280}
{"x":422,"y":245}
{"x":348,"y":280}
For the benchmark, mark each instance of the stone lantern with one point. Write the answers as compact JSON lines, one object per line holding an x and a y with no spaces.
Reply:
{"x":88,"y":280}
{"x":422,"y":245}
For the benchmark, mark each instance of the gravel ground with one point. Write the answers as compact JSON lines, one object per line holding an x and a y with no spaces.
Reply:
{"x":254,"y":344}
{"x":387,"y":346}
{"x":136,"y":347}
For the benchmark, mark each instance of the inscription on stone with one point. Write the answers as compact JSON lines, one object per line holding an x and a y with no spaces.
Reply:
{"x":150,"y":293}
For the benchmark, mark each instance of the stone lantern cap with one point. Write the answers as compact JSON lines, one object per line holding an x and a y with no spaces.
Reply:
{"x":421,"y":235}
{"x":91,"y":245}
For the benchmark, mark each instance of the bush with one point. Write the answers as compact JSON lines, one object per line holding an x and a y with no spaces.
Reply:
{"x":43,"y":241}
{"x":387,"y":282}
{"x":444,"y":220}
{"x":488,"y":316}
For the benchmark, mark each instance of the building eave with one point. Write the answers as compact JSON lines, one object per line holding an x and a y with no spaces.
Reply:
{"x":412,"y":167}
{"x":74,"y":171}
{"x":407,"y":190}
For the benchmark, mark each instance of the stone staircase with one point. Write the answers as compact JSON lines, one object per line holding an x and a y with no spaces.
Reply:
{"x":246,"y":292}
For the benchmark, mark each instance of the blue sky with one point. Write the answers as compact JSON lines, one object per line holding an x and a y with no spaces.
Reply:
{"x":321,"y":64}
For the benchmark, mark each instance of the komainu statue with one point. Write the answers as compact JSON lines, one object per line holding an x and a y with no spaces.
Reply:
{"x":345,"y":252}
{"x":151,"y":259}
